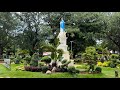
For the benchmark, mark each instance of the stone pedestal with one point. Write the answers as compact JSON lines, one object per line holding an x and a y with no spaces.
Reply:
{"x":62,"y":37}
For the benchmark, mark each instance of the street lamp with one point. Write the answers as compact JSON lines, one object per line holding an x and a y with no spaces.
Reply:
{"x":71,"y":46}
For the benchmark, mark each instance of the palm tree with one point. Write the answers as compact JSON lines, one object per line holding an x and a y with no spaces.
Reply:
{"x":56,"y":54}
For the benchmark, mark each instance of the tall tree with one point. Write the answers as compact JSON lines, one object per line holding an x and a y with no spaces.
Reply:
{"x":113,"y":30}
{"x":86,"y":28}
{"x":7,"y":25}
{"x":33,"y":30}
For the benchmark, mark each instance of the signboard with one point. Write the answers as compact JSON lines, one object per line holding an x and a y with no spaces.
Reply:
{"x":7,"y":63}
{"x":46,"y":53}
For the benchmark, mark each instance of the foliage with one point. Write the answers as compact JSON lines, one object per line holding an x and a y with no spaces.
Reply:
{"x":27,"y":59}
{"x":32,"y":68}
{"x":82,"y":66}
{"x":90,"y":55}
{"x":60,"y":53}
{"x":12,"y":58}
{"x":63,"y":61}
{"x":107,"y":72}
{"x":40,"y":64}
{"x":98,"y":69}
{"x":87,"y":56}
{"x":77,"y":60}
{"x":8,"y":24}
{"x":72,"y":70}
{"x":104,"y":64}
{"x":22,"y":52}
{"x":105,"y":52}
{"x":21,"y":67}
{"x":114,"y":56}
{"x":89,"y":27}
{"x":113,"y":31}
{"x":46,"y":59}
{"x":65,"y":64}
{"x":99,"y":63}
{"x":34,"y":60}
{"x":44,"y":69}
{"x":32,"y":32}
{"x":56,"y":54}
{"x":112,"y":65}
{"x":17,"y":59}
{"x":91,"y":68}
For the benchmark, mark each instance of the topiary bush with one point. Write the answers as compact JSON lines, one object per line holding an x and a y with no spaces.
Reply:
{"x":77,"y":60}
{"x":27,"y":59}
{"x":98,"y":69}
{"x":113,"y":65}
{"x":114,"y":56}
{"x":91,"y":67}
{"x":21,"y":67}
{"x":46,"y":59}
{"x":44,"y":69}
{"x":72,"y":70}
{"x":40,"y":64}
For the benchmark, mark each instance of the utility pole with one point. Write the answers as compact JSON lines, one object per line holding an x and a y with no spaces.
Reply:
{"x":71,"y":48}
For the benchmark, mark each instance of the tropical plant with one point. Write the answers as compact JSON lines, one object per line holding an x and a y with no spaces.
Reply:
{"x":46,"y":59}
{"x":56,"y":54}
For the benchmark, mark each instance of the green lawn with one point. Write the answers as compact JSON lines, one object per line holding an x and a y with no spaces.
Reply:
{"x":107,"y":72}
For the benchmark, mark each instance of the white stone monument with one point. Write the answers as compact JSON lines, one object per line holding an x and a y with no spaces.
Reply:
{"x":62,"y":37}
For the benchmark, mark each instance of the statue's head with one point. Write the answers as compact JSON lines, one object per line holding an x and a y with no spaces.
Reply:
{"x":61,"y":18}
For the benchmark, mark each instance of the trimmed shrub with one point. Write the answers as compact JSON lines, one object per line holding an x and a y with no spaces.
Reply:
{"x":34,"y":63}
{"x":99,"y":63}
{"x":44,"y":69}
{"x":77,"y":71}
{"x":82,"y":67}
{"x":21,"y":67}
{"x":91,"y":67}
{"x":46,"y":59}
{"x":40,"y":64}
{"x":72,"y":70}
{"x":78,"y":60}
{"x":27,"y":59}
{"x":98,"y":69}
{"x":34,"y":60}
{"x":112,"y":65}
{"x":114,"y":56}
{"x":105,"y":64}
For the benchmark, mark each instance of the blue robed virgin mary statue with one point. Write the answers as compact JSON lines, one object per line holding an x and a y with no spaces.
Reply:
{"x":62,"y":25}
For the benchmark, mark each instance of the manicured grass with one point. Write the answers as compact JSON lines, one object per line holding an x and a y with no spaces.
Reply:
{"x":107,"y":72}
